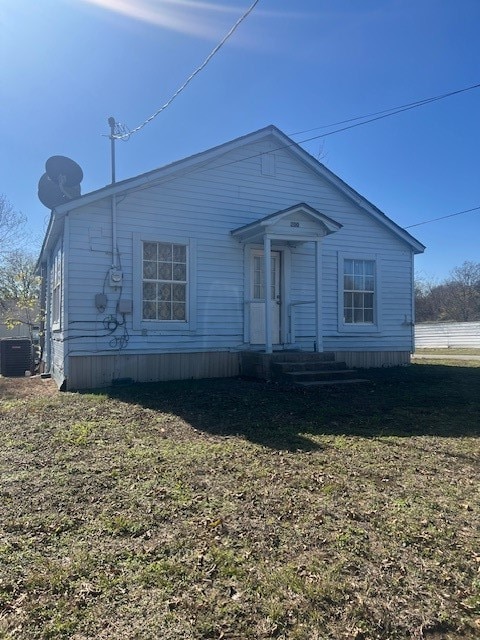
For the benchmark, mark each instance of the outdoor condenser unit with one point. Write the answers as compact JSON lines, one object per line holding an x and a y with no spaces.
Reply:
{"x":15,"y":356}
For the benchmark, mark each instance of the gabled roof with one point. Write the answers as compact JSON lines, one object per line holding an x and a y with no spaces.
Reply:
{"x":196,"y":161}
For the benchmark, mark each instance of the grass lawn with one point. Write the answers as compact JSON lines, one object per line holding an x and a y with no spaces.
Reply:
{"x":239,"y":510}
{"x":449,"y":351}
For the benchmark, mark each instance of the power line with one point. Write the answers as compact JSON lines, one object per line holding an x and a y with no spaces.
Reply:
{"x":192,"y":75}
{"x":385,"y":113}
{"x":292,"y":144}
{"x":296,"y":144}
{"x":379,"y":116}
{"x":451,"y":215}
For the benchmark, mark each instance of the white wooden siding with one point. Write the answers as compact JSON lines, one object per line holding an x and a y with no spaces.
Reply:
{"x":206,"y":205}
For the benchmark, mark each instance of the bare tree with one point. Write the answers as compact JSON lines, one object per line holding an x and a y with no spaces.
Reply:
{"x":12,"y":226}
{"x":427,"y":301}
{"x":464,"y":292}
{"x":457,"y":299}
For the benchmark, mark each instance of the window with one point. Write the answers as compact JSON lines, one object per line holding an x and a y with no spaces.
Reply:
{"x":359,"y":293}
{"x":258,"y":278}
{"x":164,"y":274}
{"x":56,"y":289}
{"x":164,"y":283}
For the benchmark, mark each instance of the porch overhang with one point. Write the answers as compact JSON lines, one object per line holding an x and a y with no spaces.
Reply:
{"x":295,"y":225}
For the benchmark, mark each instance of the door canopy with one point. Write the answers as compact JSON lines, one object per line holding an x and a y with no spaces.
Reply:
{"x":297,"y":224}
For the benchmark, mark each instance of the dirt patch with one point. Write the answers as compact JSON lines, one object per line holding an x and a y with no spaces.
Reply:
{"x":28,"y":387}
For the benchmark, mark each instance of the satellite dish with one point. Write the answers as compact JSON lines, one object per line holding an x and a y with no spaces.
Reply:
{"x":50,"y":193}
{"x":63,"y":171}
{"x":60,"y":183}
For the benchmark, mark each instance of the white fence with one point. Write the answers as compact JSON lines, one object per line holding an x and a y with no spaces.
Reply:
{"x":447,"y":334}
{"x":19,"y":331}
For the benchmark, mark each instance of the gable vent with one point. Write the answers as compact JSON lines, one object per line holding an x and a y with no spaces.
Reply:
{"x":268,"y":164}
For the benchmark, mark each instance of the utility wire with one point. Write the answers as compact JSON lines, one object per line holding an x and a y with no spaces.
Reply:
{"x":379,"y":115}
{"x":451,"y":215}
{"x":191,"y":76}
{"x":295,"y":144}
{"x":389,"y":112}
{"x":387,"y":115}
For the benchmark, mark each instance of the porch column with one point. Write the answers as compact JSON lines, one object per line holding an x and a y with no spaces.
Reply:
{"x":267,"y":287}
{"x":318,"y":295}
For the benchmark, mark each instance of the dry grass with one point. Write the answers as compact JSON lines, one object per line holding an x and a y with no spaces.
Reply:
{"x":447,"y":351}
{"x":239,"y":510}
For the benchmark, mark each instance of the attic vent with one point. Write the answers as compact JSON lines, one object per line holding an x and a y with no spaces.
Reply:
{"x":268,"y":164}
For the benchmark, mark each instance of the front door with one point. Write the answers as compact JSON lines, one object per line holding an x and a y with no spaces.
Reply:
{"x":257,"y":304}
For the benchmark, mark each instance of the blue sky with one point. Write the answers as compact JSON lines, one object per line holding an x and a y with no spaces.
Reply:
{"x":67,"y":65}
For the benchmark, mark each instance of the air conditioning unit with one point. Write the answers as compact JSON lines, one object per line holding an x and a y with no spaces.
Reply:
{"x":16,"y":356}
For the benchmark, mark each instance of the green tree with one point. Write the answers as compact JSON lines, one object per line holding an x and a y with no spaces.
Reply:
{"x":19,"y":290}
{"x":19,"y":287}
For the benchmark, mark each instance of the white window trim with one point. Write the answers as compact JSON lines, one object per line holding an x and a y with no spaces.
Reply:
{"x":164,"y":326}
{"x":57,"y":284}
{"x":360,"y":328}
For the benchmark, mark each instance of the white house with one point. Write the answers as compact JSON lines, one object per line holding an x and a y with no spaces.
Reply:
{"x":166,"y":275}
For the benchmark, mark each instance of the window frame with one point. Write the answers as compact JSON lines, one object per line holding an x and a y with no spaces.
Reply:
{"x":56,"y":290}
{"x":359,"y":327}
{"x":174,"y":326}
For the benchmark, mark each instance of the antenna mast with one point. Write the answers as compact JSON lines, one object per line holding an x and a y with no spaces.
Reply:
{"x":112,"y":124}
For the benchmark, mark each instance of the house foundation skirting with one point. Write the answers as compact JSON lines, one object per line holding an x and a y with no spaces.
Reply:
{"x":90,"y":372}
{"x":372,"y":359}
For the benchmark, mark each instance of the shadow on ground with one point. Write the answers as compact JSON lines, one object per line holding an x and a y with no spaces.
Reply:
{"x":417,"y":400}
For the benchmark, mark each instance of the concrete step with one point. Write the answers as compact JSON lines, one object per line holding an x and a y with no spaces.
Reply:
{"x":300,"y":356}
{"x":320,"y":374}
{"x":257,"y":364}
{"x":289,"y":367}
{"x":331,"y":383}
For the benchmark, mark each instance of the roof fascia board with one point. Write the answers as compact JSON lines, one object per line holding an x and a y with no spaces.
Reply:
{"x":267,"y":225}
{"x":156,"y":176}
{"x":46,"y":242}
{"x":273,"y":218}
{"x":166,"y":172}
{"x":204,"y":157}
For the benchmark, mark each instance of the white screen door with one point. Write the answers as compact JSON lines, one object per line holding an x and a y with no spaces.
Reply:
{"x":257,"y":309}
